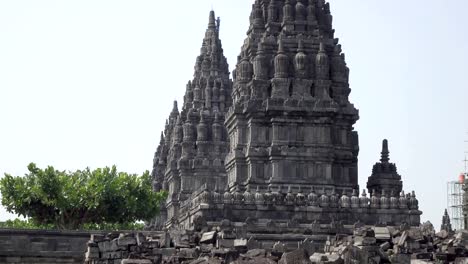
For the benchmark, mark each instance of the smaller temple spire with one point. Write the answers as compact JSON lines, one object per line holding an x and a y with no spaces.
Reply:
{"x":162,"y":138}
{"x":281,"y":61}
{"x":322,"y":63}
{"x":446,"y":224}
{"x":385,"y":153}
{"x":175,"y":109}
{"x":384,"y":174}
{"x":300,"y":46}
{"x":280,"y":46}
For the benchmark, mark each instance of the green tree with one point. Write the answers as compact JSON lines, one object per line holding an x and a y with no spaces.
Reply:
{"x":72,"y":200}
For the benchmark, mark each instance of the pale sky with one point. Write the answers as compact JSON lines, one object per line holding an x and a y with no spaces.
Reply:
{"x":90,"y":82}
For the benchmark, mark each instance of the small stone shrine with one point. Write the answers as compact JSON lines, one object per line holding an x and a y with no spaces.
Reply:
{"x":274,"y":151}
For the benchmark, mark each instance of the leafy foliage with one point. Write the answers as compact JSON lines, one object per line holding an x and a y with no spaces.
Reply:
{"x":27,"y":224}
{"x":24,"y":224}
{"x":71,"y":200}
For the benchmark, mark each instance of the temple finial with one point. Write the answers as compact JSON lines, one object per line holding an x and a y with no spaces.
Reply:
{"x":175,"y":108}
{"x":280,"y":46}
{"x":385,"y":153}
{"x":202,"y":117}
{"x":301,"y":46}
{"x":212,"y":20}
{"x":322,"y":47}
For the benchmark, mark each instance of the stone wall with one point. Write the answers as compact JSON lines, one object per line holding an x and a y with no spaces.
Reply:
{"x":41,"y":246}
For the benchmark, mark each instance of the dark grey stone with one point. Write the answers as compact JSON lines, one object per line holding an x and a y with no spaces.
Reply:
{"x":274,"y":149}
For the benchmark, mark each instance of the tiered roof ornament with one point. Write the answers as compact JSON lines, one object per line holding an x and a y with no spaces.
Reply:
{"x":446,"y":223}
{"x":384,"y":174}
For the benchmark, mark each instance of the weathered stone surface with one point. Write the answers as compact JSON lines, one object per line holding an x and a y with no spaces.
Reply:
{"x":136,"y":261}
{"x":46,"y":246}
{"x":295,"y":257}
{"x":126,"y":241}
{"x":284,"y":123}
{"x":208,"y":237}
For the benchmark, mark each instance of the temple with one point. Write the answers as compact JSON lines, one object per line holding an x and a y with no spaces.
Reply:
{"x":275,"y":149}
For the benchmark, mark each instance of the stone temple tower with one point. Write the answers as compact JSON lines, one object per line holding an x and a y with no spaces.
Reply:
{"x":194,"y":144}
{"x":291,"y":124}
{"x":274,"y":151}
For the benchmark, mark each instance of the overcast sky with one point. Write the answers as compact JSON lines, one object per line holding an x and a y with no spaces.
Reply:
{"x":90,"y":82}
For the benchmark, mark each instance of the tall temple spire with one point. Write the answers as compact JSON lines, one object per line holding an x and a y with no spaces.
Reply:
{"x":195,"y":143}
{"x":294,"y":55}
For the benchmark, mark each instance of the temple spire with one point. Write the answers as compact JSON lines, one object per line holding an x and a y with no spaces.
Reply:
{"x":446,"y":223}
{"x":175,"y":109}
{"x":212,"y":20}
{"x":384,"y":174}
{"x":385,"y":153}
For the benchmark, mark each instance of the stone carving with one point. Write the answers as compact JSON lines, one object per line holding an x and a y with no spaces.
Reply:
{"x":363,"y":200}
{"x":249,"y":198}
{"x":393,"y":201}
{"x":384,"y":201}
{"x":290,"y":199}
{"x":375,"y":200}
{"x":259,"y":198}
{"x":300,"y":198}
{"x":345,"y":201}
{"x":324,"y":200}
{"x":312,"y":198}
{"x":227,"y":197}
{"x":355,"y":202}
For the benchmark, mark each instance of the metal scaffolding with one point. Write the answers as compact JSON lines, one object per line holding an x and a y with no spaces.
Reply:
{"x":455,"y":195}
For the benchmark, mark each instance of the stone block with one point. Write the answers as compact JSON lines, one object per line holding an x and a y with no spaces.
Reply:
{"x":252,"y":243}
{"x":151,"y":244}
{"x":240,"y":243}
{"x":279,"y":247}
{"x":364,"y":241}
{"x":385,"y":246}
{"x":136,"y":261}
{"x":461,"y":261}
{"x":140,"y":238}
{"x":320,"y":258}
{"x":401,"y":241}
{"x":382,"y":233}
{"x":401,"y":259}
{"x":126,"y":241}
{"x":423,"y":255}
{"x":295,"y":257}
{"x":188,"y":253}
{"x":92,"y":253}
{"x":208,"y":237}
{"x":255,"y":253}
{"x":166,"y":252}
{"x":224,"y":243}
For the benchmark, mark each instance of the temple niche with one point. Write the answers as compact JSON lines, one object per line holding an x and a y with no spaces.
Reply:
{"x":275,"y":149}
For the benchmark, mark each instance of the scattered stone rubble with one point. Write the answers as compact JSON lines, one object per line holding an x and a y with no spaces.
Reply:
{"x":367,"y":244}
